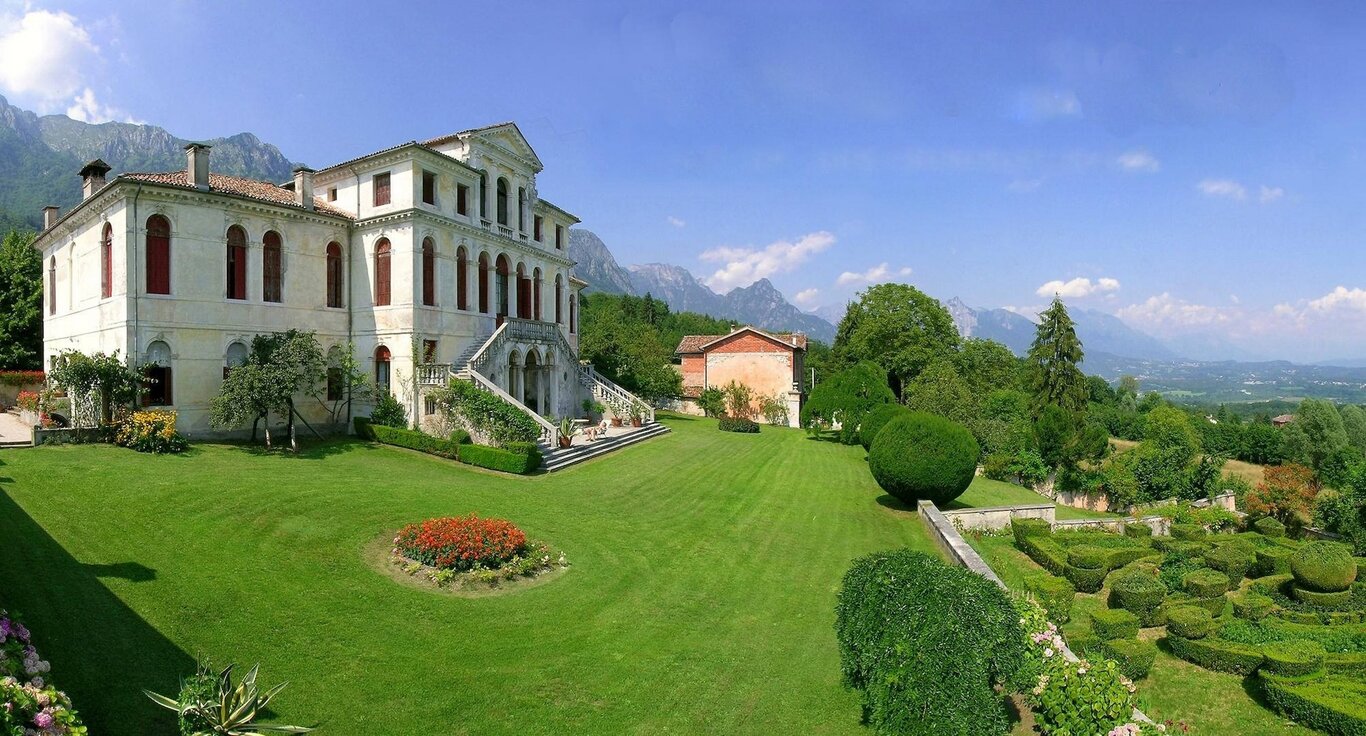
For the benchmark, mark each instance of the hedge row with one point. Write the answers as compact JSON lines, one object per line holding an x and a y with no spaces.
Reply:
{"x":1217,"y":654}
{"x":737,"y":424}
{"x":518,"y":457}
{"x":1055,"y":594}
{"x":1135,"y":658}
{"x":419,"y":441}
{"x":1315,"y":701}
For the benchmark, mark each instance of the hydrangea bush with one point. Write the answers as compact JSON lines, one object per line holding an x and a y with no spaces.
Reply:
{"x":29,"y":705}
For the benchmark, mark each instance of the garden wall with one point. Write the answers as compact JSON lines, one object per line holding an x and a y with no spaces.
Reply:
{"x":998,"y":517}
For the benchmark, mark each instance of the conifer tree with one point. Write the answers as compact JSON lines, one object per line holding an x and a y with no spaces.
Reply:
{"x":1053,"y":360}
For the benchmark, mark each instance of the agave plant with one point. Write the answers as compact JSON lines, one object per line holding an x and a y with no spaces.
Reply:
{"x":222,"y":709}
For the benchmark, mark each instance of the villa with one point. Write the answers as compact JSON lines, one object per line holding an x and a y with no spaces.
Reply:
{"x":435,"y":260}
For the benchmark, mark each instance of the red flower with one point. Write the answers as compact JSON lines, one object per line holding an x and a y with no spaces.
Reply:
{"x":460,"y":543}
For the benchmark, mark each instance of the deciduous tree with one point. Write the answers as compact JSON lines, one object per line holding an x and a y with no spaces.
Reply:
{"x":21,"y":303}
{"x":898,"y":327}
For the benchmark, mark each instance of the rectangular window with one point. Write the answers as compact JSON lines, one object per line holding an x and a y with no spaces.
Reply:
{"x":537,"y":228}
{"x":462,"y":199}
{"x":428,"y":187}
{"x":237,"y":272}
{"x":429,"y":406}
{"x":380,"y":183}
{"x":429,"y":351}
{"x":334,"y":384}
{"x":332,"y":194}
{"x":559,"y":237}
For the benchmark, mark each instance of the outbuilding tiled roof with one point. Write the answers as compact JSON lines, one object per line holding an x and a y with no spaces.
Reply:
{"x":692,"y":344}
{"x":263,"y":191}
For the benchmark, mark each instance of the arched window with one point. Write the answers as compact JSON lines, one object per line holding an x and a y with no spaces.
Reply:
{"x":52,"y":285}
{"x":107,"y":262}
{"x":559,"y":298}
{"x":237,"y":262}
{"x":382,"y":272}
{"x":235,"y":357}
{"x":503,"y":272}
{"x":382,"y":369}
{"x":334,"y":275}
{"x":158,"y":255}
{"x":272,"y":277}
{"x":156,"y":373}
{"x":483,"y":283}
{"x":462,"y":270}
{"x":502,"y":201}
{"x":536,"y":294}
{"x":428,"y":272}
{"x":484,"y":194}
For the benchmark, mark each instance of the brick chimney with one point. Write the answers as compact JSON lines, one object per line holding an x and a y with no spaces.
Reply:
{"x":92,"y":177}
{"x":197,"y":165}
{"x":303,"y":187}
{"x":49,"y":216}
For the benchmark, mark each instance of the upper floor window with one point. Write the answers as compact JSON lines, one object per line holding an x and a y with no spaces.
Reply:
{"x":380,"y":183}
{"x":462,"y":199}
{"x":271,"y":267}
{"x":382,"y":272}
{"x":462,"y":275}
{"x":237,"y":262}
{"x":107,"y":262}
{"x":52,"y":285}
{"x":502,"y":201}
{"x":331,"y":194}
{"x":428,"y":272}
{"x":536,"y":228}
{"x":559,"y":237}
{"x":158,"y":255}
{"x":334,"y":275}
{"x":521,"y":208}
{"x":428,"y":187}
{"x":484,"y":194}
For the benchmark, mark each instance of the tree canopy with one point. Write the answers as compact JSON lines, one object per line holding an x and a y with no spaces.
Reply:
{"x":280,"y":367}
{"x":1054,"y":360}
{"x":845,"y":397}
{"x":21,"y":303}
{"x":898,"y":327}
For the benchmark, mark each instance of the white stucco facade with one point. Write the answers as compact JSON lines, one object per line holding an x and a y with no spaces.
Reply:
{"x":515,"y":270}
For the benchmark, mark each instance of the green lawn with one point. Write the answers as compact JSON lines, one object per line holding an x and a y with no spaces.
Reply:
{"x":984,"y":493}
{"x":700,"y":600}
{"x":1213,"y":703}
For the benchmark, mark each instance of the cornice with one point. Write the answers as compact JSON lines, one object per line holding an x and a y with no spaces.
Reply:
{"x":465,"y":229}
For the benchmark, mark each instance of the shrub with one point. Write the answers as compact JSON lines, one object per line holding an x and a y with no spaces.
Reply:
{"x":923,"y":457}
{"x":1138,"y":530}
{"x":506,"y":460}
{"x":875,"y":420}
{"x":1114,"y":623}
{"x":460,"y":542}
{"x":22,"y":378}
{"x":774,"y":410}
{"x":925,"y":643}
{"x":737,"y":424}
{"x":388,"y":411}
{"x":1269,"y":527}
{"x":26,"y":693}
{"x":1088,"y":557}
{"x":712,"y":402}
{"x":1188,"y":532}
{"x":1252,"y":606}
{"x":1055,"y":594}
{"x":1315,"y":702}
{"x":1086,"y":580}
{"x":1335,"y":601}
{"x":1286,"y":492}
{"x":1135,"y":658}
{"x":1139,"y":593}
{"x":1026,"y":528}
{"x":364,"y":429}
{"x":416,"y":441}
{"x":28,"y":400}
{"x":1324,"y":566}
{"x":846,"y":398}
{"x":486,"y":413}
{"x":1272,"y":561}
{"x":151,"y":431}
{"x":1293,"y":658}
{"x":1205,"y":583}
{"x":1214,"y":604}
{"x":1073,"y":697}
{"x":1189,"y":622}
{"x":1217,"y":654}
{"x":1233,"y":560}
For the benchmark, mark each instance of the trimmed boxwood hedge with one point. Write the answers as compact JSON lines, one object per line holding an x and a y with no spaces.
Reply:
{"x":1215,"y":605}
{"x":1189,"y":622}
{"x":1269,"y":527}
{"x":1188,"y":532}
{"x":1055,"y":594}
{"x":1140,"y":594}
{"x":1217,"y":654}
{"x":1026,"y":528}
{"x":875,"y":420}
{"x":1273,"y":561}
{"x":417,"y":441}
{"x":1048,"y":553}
{"x":1114,"y":623}
{"x":926,"y":643}
{"x":1233,"y":560}
{"x":519,"y":457}
{"x":1271,"y":585}
{"x":737,"y":424}
{"x":1205,"y":583}
{"x":1138,"y":530}
{"x":1088,"y":557}
{"x":1324,"y":566}
{"x":1252,"y":606}
{"x":1337,"y":601}
{"x":1293,"y":658}
{"x":1086,"y":580}
{"x":921,"y":456}
{"x":1135,"y":658}
{"x":1317,"y":702}
{"x":362,"y":425}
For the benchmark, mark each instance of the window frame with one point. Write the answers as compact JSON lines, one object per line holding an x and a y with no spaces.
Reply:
{"x":236,"y":264}
{"x":157,"y":254}
{"x":272,"y":268}
{"x":107,"y":261}
{"x":429,"y":187}
{"x":381,"y":183}
{"x":335,"y":275}
{"x":383,"y":272}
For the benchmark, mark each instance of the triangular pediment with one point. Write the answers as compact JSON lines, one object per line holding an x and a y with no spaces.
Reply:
{"x":508,"y":137}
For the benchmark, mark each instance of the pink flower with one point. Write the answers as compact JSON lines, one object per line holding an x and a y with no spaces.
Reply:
{"x":43,"y":720}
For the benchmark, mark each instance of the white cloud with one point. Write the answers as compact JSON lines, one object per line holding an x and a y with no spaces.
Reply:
{"x":1340,"y":299}
{"x":87,"y":109}
{"x":1078,"y":287}
{"x":904,"y":271}
{"x":675,"y":221}
{"x":807,"y":297}
{"x":1139,"y":161}
{"x":1166,"y":312}
{"x":1025,"y":185}
{"x":1270,"y":194}
{"x":744,"y":266}
{"x":873,"y":275}
{"x":43,"y":55}
{"x":1226,"y":188}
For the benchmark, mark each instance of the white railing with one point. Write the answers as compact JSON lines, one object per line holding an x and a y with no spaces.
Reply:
{"x":621,"y":400}
{"x":433,"y":374}
{"x":530,"y":330}
{"x":489,"y":349}
{"x":549,"y":432}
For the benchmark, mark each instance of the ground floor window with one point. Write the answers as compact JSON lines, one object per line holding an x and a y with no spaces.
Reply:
{"x":382,"y":368}
{"x":334,"y":384}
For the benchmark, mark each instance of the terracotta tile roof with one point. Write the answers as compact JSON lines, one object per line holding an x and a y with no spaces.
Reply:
{"x":691,"y":344}
{"x":262,"y":191}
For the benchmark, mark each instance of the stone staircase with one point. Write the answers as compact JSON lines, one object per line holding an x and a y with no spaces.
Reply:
{"x":13,"y":432}
{"x":582,"y":450}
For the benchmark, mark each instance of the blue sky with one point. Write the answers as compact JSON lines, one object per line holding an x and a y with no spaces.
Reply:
{"x":1196,"y":168}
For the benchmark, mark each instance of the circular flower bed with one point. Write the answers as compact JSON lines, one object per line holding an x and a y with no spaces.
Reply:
{"x":458,"y":550}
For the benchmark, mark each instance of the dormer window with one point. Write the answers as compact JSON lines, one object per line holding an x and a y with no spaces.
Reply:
{"x":380,"y":183}
{"x":331,"y":194}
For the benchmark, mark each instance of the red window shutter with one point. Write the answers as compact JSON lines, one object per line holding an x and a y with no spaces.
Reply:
{"x":107,"y":262}
{"x":158,"y":255}
{"x":52,"y":287}
{"x":382,"y":273}
{"x":559,"y":297}
{"x":271,"y":290}
{"x":334,"y":275}
{"x":462,"y":270}
{"x":483,"y":285}
{"x":381,"y":182}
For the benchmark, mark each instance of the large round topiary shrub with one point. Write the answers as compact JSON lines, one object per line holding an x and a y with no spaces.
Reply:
{"x":1140,"y":593}
{"x":1189,"y":622}
{"x":1326,"y":567}
{"x":921,"y":456}
{"x":875,"y":420}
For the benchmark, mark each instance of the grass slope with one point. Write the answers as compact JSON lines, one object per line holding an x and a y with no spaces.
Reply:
{"x":985,"y":492}
{"x":700,"y":600}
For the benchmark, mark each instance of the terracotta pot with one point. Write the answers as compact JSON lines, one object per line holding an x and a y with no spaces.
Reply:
{"x":565,"y":442}
{"x":635,"y":422}
{"x":616,"y":421}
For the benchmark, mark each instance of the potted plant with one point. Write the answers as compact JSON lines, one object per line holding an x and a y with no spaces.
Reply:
{"x":567,"y":431}
{"x":616,"y":419}
{"x":636,"y":414}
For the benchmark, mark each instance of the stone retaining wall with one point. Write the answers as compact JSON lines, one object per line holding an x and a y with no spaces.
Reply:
{"x":998,"y":517}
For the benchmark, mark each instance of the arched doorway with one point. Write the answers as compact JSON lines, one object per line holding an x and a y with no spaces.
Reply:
{"x":531,"y":383}
{"x":514,"y":372}
{"x":503,"y":269}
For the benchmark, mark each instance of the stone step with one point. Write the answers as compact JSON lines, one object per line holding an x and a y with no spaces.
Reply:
{"x":559,"y":459}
